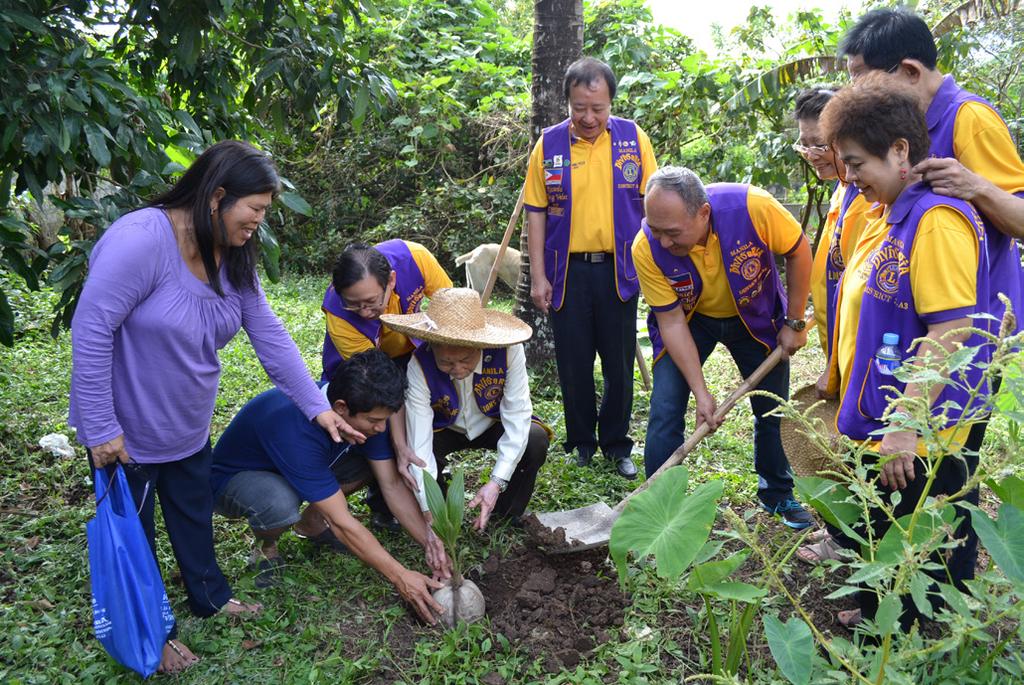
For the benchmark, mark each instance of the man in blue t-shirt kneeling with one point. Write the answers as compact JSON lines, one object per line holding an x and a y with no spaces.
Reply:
{"x":271,"y":459}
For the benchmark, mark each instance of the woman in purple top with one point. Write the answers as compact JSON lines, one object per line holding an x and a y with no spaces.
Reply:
{"x":168,"y":286}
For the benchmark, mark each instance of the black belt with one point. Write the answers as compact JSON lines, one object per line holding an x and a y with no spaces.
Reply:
{"x":592,"y":257}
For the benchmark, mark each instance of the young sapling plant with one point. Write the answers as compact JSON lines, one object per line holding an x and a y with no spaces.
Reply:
{"x":461,"y":599}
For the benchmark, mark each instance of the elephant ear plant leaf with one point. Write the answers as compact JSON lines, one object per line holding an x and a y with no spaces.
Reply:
{"x":462,"y":599}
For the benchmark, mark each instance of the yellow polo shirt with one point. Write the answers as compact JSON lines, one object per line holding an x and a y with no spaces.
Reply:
{"x":853,"y":225}
{"x":943,"y":276}
{"x":350,"y":341}
{"x":591,"y":221}
{"x":774,"y":225}
{"x":982,"y":143}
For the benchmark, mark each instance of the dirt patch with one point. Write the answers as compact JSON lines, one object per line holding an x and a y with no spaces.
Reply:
{"x":558,"y":607}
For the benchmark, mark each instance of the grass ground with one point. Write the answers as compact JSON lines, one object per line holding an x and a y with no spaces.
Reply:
{"x":334,"y":620}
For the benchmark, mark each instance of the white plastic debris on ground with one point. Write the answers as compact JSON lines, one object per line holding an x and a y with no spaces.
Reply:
{"x":57,"y":444}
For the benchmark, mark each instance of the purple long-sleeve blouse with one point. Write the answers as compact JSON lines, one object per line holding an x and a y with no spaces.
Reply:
{"x":144,"y":342}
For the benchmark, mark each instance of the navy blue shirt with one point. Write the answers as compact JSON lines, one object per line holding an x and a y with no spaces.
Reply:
{"x":271,"y":434}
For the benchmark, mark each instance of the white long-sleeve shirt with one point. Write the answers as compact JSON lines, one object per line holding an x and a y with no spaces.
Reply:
{"x":516,"y":411}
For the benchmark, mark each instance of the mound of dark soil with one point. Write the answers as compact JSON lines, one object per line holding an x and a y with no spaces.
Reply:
{"x":558,"y":606}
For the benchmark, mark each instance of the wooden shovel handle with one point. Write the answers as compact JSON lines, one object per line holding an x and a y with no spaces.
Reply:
{"x":751,"y":382}
{"x":513,"y":220}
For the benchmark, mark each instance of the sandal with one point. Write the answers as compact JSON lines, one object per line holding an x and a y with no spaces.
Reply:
{"x":817,"y":535}
{"x":814,"y":554}
{"x":850,"y":618}
{"x":242,"y":609}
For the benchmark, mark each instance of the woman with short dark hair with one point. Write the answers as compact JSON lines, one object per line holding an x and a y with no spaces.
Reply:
{"x":168,"y":286}
{"x":920,"y":270}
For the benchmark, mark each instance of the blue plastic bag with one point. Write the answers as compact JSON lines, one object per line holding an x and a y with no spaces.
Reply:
{"x":131,"y":614}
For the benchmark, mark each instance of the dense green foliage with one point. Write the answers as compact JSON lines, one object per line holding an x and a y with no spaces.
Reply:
{"x":392,"y":118}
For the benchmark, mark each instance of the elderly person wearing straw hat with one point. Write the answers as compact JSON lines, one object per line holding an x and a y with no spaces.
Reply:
{"x":468,"y":389}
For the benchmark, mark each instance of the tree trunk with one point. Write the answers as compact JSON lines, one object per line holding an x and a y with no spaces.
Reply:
{"x":557,"y":43}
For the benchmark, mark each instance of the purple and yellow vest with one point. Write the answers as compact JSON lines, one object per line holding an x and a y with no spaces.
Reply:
{"x":627,"y":204}
{"x":1007,"y":276}
{"x":749,"y":268}
{"x":888,"y":306}
{"x":835,"y":266}
{"x":488,"y":385}
{"x":409,"y":285}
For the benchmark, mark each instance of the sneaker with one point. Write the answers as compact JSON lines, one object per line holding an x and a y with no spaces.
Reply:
{"x":792,"y":512}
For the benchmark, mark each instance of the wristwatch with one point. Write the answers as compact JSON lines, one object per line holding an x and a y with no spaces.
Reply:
{"x":796,"y":324}
{"x":501,"y":483}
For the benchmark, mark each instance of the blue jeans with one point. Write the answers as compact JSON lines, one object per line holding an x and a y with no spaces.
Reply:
{"x":666,"y":423}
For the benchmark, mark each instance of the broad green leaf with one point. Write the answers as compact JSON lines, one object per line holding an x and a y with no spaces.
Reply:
{"x":890,"y":547}
{"x":712,"y":572}
{"x":435,"y":502}
{"x":1003,"y":538}
{"x":296,"y":203}
{"x":792,"y":645}
{"x":831,"y":500}
{"x":889,"y":610}
{"x":735,"y":590}
{"x":97,"y":144}
{"x":1010,"y":490}
{"x":919,"y":593}
{"x":456,"y":499}
{"x":666,"y":522}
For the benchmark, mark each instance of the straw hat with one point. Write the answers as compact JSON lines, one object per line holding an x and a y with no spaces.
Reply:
{"x":804,"y":456}
{"x":455,"y":316}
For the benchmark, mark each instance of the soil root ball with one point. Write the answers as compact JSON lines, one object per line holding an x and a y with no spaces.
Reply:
{"x":468,"y":605}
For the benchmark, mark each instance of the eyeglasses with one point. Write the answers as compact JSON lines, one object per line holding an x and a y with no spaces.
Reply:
{"x":808,"y":150}
{"x":368,"y":306}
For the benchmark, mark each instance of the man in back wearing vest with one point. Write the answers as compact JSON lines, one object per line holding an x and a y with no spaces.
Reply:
{"x":706,"y":262}
{"x":972,"y":158}
{"x":584,"y":202}
{"x":468,"y":389}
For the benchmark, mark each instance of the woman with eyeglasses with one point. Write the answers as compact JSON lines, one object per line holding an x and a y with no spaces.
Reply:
{"x":169,"y":285}
{"x":919,"y":270}
{"x":391,"y":277}
{"x":843,"y":224}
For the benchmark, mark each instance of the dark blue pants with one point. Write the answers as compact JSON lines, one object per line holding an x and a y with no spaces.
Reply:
{"x":594,"y":322}
{"x":666,"y":425}
{"x":186,"y":501}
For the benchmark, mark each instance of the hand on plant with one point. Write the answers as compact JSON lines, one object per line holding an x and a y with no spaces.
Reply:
{"x":902,"y":446}
{"x":437,"y":560}
{"x":404,"y":458}
{"x":415,"y":588}
{"x":109,"y":452}
{"x":706,"y":406}
{"x":486,"y":497}
{"x":338,"y":428}
{"x":790,"y":341}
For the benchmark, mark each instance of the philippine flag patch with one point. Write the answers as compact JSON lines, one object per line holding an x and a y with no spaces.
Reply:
{"x":553,"y":177}
{"x":683,"y":284}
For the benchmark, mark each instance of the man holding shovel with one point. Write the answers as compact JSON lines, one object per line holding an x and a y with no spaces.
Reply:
{"x":706,"y":262}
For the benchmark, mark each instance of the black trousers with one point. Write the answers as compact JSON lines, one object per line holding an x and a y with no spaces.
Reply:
{"x":593,"y":322}
{"x":951,"y":476}
{"x":511,"y":503}
{"x":186,"y":501}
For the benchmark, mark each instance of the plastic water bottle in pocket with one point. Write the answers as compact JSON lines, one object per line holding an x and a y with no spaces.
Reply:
{"x":887,"y":357}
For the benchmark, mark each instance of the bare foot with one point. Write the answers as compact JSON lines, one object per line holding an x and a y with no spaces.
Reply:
{"x":235,"y":608}
{"x":176,"y":657}
{"x":849,"y":618}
